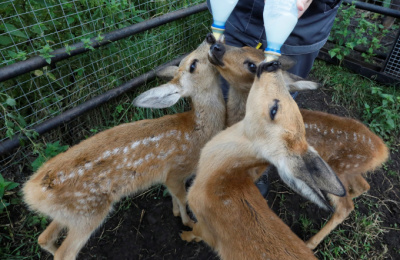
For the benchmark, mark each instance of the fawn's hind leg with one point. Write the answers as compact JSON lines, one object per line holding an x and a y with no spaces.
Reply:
{"x":49,"y":236}
{"x":176,"y":187}
{"x":357,"y":186}
{"x":175,"y":207}
{"x":343,"y":208}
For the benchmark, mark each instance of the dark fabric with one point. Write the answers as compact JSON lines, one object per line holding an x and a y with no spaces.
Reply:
{"x":245,"y":28}
{"x":310,"y":34}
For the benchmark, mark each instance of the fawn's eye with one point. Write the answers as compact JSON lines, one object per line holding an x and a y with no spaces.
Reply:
{"x":251,"y":66}
{"x":274,"y":109}
{"x":193,"y":66}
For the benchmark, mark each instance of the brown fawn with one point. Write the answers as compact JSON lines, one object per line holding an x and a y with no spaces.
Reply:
{"x":347,"y":145}
{"x":232,"y":215}
{"x":78,"y":187}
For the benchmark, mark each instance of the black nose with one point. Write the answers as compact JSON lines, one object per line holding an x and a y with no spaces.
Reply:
{"x":217,"y":49}
{"x":268,"y":67}
{"x":210,"y":38}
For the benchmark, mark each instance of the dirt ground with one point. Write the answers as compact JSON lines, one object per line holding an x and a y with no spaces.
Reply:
{"x":143,"y":227}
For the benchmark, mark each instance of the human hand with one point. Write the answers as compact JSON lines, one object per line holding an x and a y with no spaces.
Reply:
{"x":302,"y":6}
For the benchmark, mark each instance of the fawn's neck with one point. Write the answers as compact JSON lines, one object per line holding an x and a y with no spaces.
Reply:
{"x":236,"y":106}
{"x":209,"y":110}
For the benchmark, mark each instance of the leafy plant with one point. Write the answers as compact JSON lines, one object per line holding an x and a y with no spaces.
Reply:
{"x":52,"y":149}
{"x":5,"y":188}
{"x":45,"y":53}
{"x":383,"y":116}
{"x":87,"y":43}
{"x":346,"y":36}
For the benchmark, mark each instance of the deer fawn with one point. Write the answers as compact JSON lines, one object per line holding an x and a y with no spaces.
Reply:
{"x":232,"y":215}
{"x":77,"y":188}
{"x":347,"y":145}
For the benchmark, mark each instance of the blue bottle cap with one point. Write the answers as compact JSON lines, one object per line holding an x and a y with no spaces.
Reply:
{"x":218,"y":25}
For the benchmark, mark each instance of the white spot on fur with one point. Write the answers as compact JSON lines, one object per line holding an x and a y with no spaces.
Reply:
{"x":347,"y":166}
{"x":227,"y":202}
{"x":115,"y":151}
{"x":306,"y":126}
{"x":81,"y":201}
{"x":135,"y":144}
{"x":62,"y":179}
{"x":356,"y":165}
{"x":106,"y":154}
{"x":183,"y":147}
{"x":149,"y":156}
{"x":325,"y":132}
{"x":93,"y":190}
{"x":78,"y":194}
{"x":137,"y":162}
{"x":332,"y":131}
{"x":355,"y":136}
{"x":172,"y":133}
{"x":125,"y":149}
{"x":88,"y":166}
{"x":350,"y":156}
{"x":71,"y":175}
{"x":80,"y":172}
{"x":187,"y":137}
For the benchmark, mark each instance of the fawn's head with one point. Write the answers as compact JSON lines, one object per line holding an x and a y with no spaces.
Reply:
{"x":194,"y":76}
{"x":239,"y":66}
{"x":275,"y":126}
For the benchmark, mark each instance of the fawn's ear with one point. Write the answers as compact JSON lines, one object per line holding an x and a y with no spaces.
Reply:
{"x":309,"y":175}
{"x":296,"y":83}
{"x":168,"y":72}
{"x":159,"y":97}
{"x":302,"y":85}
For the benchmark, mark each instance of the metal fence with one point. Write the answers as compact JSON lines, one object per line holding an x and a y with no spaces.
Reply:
{"x":88,"y":62}
{"x":38,"y":27}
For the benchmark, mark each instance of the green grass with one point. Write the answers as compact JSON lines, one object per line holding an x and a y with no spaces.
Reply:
{"x":377,"y":105}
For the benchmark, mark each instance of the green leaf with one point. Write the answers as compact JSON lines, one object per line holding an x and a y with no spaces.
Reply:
{"x":10,"y":124}
{"x":5,"y":41}
{"x":11,"y":185}
{"x":51,"y":76}
{"x":38,"y":73}
{"x":10,"y":101}
{"x":1,"y":191}
{"x":48,"y":60}
{"x":14,"y":30}
{"x":391,"y":123}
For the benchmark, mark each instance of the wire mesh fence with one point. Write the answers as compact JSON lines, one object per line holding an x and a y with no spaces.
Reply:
{"x":36,"y":27}
{"x":29,"y":26}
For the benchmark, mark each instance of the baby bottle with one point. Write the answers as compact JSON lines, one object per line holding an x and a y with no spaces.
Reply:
{"x":221,"y":9}
{"x":280,"y":17}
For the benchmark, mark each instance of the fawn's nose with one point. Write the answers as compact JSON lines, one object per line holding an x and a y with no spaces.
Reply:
{"x":210,"y":39}
{"x":218,"y":50}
